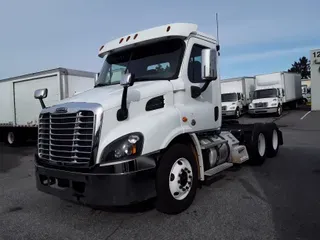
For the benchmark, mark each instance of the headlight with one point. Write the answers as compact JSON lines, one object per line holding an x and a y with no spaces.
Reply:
{"x":274,"y":104}
{"x":232,"y":108}
{"x":250,"y":105}
{"x":123,"y":148}
{"x":233,"y":104}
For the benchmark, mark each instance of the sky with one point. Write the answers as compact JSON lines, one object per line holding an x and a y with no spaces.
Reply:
{"x":256,"y":36}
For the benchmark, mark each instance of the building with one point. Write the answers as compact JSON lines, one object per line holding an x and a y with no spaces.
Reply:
{"x":315,"y":76}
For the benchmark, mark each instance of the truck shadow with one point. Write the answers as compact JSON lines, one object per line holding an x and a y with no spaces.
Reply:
{"x":142,"y":207}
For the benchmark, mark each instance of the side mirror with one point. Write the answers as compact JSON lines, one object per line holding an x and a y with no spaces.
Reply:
{"x":127,"y":80}
{"x":41,"y":93}
{"x":96,"y":77}
{"x":209,"y":64}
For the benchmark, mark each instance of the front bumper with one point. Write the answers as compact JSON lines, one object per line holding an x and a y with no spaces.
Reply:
{"x":263,"y":110}
{"x":113,"y":185}
{"x":229,"y":113}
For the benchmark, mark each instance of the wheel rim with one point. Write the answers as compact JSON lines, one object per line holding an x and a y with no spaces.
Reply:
{"x":180,"y":179}
{"x":261,"y":144}
{"x":238,"y":113}
{"x":10,"y":137}
{"x":275,"y":139}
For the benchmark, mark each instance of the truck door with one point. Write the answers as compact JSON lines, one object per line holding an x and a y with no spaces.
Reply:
{"x":205,"y":110}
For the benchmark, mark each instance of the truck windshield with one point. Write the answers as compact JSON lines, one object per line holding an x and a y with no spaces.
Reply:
{"x":154,"y":61}
{"x":265,"y":93}
{"x":228,"y":97}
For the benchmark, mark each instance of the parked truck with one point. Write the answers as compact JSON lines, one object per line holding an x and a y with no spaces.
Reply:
{"x":19,"y":112}
{"x":235,"y":95}
{"x":274,"y":91}
{"x":153,"y":131}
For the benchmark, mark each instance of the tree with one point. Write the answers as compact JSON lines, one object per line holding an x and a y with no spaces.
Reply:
{"x":302,"y":67}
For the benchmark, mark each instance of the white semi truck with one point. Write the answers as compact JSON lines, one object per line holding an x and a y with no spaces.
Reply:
{"x":274,"y":91}
{"x":19,"y":112}
{"x":235,"y":95}
{"x":155,"y":131}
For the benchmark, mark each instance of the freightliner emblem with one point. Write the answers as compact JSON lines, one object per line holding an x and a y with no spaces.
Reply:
{"x":61,"y":110}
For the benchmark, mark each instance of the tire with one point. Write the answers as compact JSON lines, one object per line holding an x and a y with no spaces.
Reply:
{"x":272,"y":138}
{"x":237,"y":113}
{"x":13,"y":139}
{"x":168,"y":180}
{"x":257,"y":145}
{"x":279,"y":111}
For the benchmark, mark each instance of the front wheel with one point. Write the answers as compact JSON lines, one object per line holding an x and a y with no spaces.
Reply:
{"x":279,"y":111}
{"x":237,"y":113}
{"x":177,"y":180}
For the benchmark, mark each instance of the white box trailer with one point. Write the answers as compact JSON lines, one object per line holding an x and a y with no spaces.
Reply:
{"x":235,"y":95}
{"x":273,"y":91}
{"x":19,"y":111}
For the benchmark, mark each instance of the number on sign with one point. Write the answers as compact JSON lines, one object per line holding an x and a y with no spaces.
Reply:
{"x":316,"y":54}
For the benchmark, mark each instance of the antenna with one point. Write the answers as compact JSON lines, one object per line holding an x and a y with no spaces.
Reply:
{"x":218,"y":41}
{"x":217,"y":22}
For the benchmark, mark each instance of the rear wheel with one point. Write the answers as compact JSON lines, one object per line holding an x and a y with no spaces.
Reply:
{"x":14,"y":139}
{"x":257,"y":145}
{"x":272,"y":138}
{"x":177,"y":180}
{"x":11,"y":138}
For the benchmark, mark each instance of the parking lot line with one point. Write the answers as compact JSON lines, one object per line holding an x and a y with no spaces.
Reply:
{"x":305,"y":115}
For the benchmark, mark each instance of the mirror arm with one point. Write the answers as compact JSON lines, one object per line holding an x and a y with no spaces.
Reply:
{"x":42,"y":103}
{"x":205,"y":86}
{"x":122,"y":113}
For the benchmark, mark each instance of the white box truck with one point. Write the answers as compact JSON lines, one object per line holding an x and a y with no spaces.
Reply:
{"x":274,"y":91}
{"x":235,"y":95}
{"x":19,"y":112}
{"x":151,"y":132}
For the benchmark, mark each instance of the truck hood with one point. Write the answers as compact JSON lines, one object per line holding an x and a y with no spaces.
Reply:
{"x":110,"y":96}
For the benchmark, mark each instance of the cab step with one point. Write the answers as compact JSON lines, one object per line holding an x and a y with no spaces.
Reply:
{"x":217,"y":169}
{"x":211,"y":174}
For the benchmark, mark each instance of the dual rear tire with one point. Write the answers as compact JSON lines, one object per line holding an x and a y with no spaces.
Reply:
{"x":264,"y":143}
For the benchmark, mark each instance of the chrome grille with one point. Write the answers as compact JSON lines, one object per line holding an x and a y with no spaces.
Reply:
{"x":66,"y":138}
{"x":261,"y":104}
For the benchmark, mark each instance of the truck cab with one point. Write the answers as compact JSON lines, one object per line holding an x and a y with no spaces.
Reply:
{"x":151,"y":127}
{"x":232,"y":104}
{"x":268,"y":100}
{"x":306,"y":93}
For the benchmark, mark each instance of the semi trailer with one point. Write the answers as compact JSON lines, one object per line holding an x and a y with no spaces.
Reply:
{"x":274,"y":91}
{"x":19,"y":111}
{"x":235,"y":95}
{"x":154,"y":131}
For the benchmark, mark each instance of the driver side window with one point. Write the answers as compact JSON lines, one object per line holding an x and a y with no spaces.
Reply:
{"x":194,"y":66}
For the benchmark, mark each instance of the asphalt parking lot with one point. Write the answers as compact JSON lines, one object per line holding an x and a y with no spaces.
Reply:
{"x":278,"y":200}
